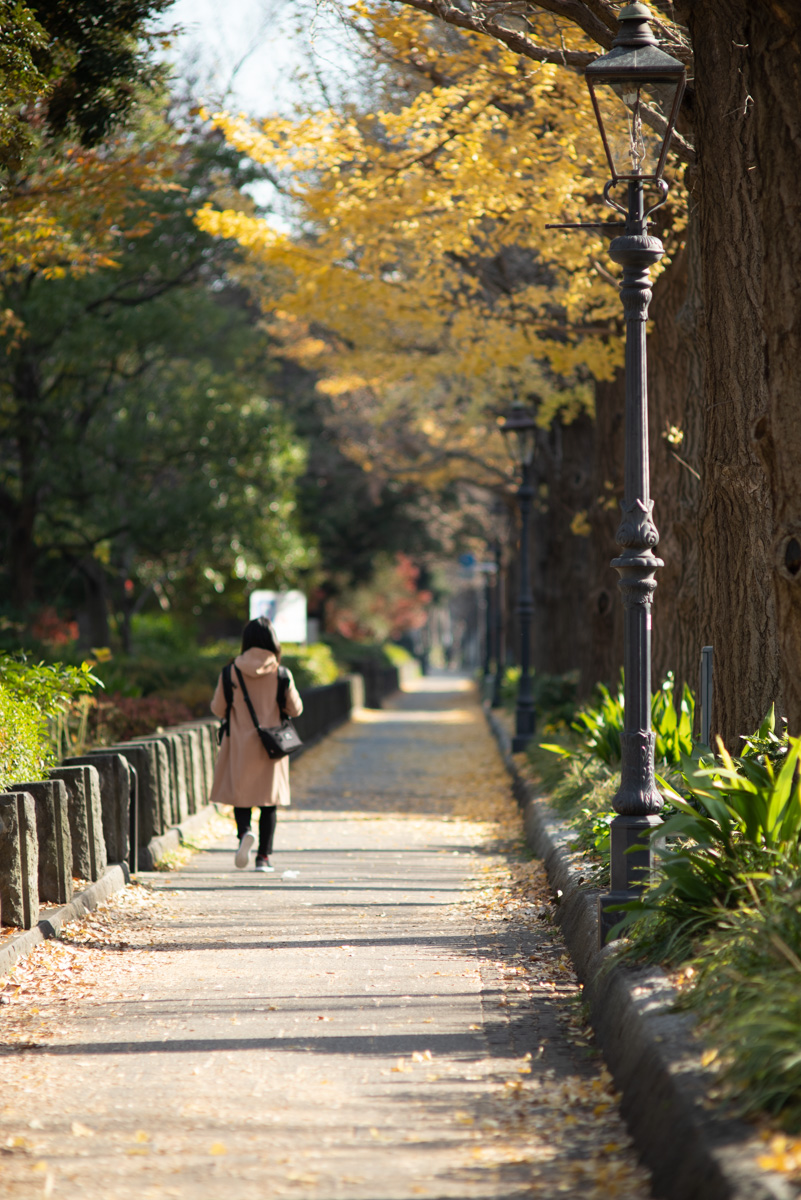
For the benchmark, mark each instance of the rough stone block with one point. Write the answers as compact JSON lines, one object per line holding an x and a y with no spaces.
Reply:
{"x":116,"y":794}
{"x":55,"y":843}
{"x":208,"y":741}
{"x":19,"y":858}
{"x":195,"y":766}
{"x":86,"y":820}
{"x":149,"y":760}
{"x":176,"y":807}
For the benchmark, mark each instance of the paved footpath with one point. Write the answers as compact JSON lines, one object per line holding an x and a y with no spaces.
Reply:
{"x":395,"y":1018}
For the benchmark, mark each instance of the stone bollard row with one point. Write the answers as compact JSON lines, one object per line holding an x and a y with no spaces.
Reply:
{"x":98,"y":808}
{"x":175,"y":769}
{"x":103,"y":806}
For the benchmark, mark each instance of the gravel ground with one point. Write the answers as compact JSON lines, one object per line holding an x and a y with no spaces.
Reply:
{"x":390,"y":1015}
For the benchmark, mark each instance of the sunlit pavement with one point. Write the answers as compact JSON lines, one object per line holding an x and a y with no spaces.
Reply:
{"x":350,"y":1026}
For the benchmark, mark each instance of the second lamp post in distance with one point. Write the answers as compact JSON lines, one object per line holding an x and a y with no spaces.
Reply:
{"x":519,"y":433}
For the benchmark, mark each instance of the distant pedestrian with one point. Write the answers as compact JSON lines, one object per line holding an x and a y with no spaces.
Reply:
{"x":245,"y":776}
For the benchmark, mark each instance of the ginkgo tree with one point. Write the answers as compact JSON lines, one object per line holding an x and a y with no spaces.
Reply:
{"x":421,"y":253}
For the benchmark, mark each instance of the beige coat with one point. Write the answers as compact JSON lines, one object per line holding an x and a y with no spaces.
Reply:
{"x":245,"y":775}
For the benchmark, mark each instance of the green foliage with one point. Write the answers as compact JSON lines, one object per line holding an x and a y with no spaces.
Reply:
{"x":600,"y":725}
{"x":311,"y":666}
{"x":36,"y":702}
{"x":765,"y":742}
{"x":96,"y":62}
{"x":747,"y":992}
{"x":673,"y":726}
{"x":399,"y":656}
{"x":160,"y":463}
{"x":169,"y":666}
{"x":26,"y":750}
{"x":353,"y":655}
{"x":738,"y":827}
{"x":554,"y":695}
{"x":580,"y":788}
{"x":49,"y":687}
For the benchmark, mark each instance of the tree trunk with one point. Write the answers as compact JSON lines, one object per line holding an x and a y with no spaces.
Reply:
{"x":675,"y":401}
{"x":774,"y":83}
{"x":602,"y":604}
{"x":746,"y":114}
{"x":561,"y":569}
{"x":93,"y":616}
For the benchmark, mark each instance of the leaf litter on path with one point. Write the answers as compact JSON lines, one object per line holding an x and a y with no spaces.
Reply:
{"x":555,"y":1128}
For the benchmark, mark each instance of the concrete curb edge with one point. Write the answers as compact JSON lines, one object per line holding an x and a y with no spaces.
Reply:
{"x":113,"y":880}
{"x":694,"y":1152}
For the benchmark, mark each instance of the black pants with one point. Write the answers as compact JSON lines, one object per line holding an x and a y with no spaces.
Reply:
{"x":267,"y":820}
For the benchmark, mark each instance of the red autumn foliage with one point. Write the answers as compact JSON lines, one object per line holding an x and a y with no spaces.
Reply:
{"x":118,"y":718}
{"x":48,"y":627}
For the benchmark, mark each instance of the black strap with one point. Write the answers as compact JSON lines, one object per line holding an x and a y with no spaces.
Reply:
{"x":248,"y":700}
{"x":283,"y":685}
{"x":283,"y":688}
{"x":228,"y":692}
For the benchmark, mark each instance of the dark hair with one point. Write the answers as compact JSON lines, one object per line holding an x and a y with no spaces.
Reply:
{"x":262,"y":634}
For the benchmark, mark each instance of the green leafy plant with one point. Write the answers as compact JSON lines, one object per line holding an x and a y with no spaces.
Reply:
{"x":600,"y":726}
{"x":739,"y":825}
{"x":672,"y":723}
{"x":26,"y":749}
{"x":765,"y":742}
{"x":747,"y":992}
{"x":57,"y":695}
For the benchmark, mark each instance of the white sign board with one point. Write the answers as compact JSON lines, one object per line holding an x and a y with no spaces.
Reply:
{"x":286,"y":610}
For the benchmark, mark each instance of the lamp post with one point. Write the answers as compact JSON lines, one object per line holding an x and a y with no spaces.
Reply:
{"x":636,"y":92}
{"x":487,"y":570}
{"x":497,"y":685}
{"x":518,"y":430}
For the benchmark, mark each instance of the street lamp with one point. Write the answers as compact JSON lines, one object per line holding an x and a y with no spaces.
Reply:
{"x":636,"y":92}
{"x":497,"y":699}
{"x":519,"y":432}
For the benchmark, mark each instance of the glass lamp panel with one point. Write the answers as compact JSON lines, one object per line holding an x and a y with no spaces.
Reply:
{"x":635,"y":116}
{"x":520,"y":443}
{"x":526,"y":445}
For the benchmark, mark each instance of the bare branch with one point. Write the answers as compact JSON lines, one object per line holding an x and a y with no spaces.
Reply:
{"x":517,"y":42}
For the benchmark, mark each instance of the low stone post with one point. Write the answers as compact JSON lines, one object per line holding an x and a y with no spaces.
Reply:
{"x":192,"y":739}
{"x":114,"y":777}
{"x":86,"y":820}
{"x":176,"y":806}
{"x":55,"y":843}
{"x":149,"y":760}
{"x":19,"y":857}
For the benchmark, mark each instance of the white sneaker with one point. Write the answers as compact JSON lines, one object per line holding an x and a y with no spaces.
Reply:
{"x":243,"y":853}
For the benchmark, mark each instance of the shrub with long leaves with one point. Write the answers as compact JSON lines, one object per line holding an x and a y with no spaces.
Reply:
{"x":740,"y":826}
{"x":747,"y":991}
{"x":600,"y":725}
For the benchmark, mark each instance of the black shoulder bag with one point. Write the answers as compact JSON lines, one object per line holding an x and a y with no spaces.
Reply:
{"x":278,"y":740}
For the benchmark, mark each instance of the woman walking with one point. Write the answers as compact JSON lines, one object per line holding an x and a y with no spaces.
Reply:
{"x":245,"y":776}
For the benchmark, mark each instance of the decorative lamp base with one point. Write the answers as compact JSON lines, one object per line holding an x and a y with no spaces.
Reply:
{"x":630,"y":855}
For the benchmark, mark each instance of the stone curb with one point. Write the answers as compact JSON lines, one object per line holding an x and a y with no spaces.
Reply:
{"x":114,"y":880}
{"x":694,"y":1152}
